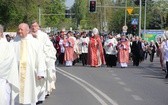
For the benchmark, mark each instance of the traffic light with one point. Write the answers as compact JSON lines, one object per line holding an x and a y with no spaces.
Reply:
{"x":67,"y":14}
{"x":136,"y":2}
{"x":143,"y":2}
{"x":92,"y":5}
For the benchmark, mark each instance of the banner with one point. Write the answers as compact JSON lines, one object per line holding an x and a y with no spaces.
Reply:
{"x":154,"y":35}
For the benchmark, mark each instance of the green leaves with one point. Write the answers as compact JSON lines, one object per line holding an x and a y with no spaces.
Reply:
{"x":13,"y":12}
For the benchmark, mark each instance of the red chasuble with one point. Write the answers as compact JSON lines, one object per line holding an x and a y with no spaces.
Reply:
{"x":95,"y":52}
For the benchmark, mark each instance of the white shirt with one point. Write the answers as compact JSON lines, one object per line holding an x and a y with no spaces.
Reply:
{"x":111,"y":49}
{"x":61,"y":45}
{"x":83,"y":43}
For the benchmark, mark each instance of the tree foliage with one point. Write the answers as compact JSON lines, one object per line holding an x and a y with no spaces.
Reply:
{"x":156,"y":19}
{"x":13,"y":12}
{"x":80,"y":10}
{"x":159,"y":14}
{"x":55,"y":10}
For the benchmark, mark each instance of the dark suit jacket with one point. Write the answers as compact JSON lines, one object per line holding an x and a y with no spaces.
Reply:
{"x":136,"y":48}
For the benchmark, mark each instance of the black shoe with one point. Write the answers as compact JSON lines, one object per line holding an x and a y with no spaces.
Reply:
{"x":164,"y":70}
{"x":39,"y":102}
{"x":47,"y":95}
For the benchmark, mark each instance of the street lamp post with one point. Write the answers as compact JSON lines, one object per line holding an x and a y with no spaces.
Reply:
{"x":125,"y":13}
{"x":145,"y":17}
{"x":39,"y":15}
{"x":140,"y":13}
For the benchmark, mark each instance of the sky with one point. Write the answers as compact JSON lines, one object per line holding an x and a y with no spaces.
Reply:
{"x":69,"y":3}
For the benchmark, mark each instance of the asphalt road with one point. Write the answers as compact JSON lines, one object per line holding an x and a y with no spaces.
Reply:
{"x":142,"y":85}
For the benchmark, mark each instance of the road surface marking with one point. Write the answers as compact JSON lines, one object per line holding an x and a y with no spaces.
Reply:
{"x":127,"y":89}
{"x":117,"y":78}
{"x":121,"y":83}
{"x":94,"y":88}
{"x":137,"y":98}
{"x":114,"y":75}
{"x":85,"y":87}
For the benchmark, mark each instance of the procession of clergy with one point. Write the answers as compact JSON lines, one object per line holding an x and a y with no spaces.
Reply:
{"x":27,"y":62}
{"x":95,"y":50}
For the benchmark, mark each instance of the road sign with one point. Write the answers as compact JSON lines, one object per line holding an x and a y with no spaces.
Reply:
{"x":125,"y":28}
{"x":134,"y":21}
{"x":130,"y":10}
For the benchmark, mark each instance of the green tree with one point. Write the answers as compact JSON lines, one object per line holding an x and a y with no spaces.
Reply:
{"x":160,"y":14}
{"x":13,"y":12}
{"x":80,"y":10}
{"x":54,"y":13}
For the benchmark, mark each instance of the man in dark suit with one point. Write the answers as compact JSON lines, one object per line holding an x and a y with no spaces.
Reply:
{"x":137,"y":52}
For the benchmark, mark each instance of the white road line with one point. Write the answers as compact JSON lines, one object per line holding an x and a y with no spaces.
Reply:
{"x":114,"y":75}
{"x":85,"y":87}
{"x":94,"y":88}
{"x":127,"y":89}
{"x":137,"y":98}
{"x":117,"y":78}
{"x":121,"y":83}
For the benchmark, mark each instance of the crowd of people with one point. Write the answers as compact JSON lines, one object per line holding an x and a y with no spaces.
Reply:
{"x":27,"y":62}
{"x":94,"y":50}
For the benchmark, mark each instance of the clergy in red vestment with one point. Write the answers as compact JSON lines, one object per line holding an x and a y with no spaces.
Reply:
{"x":123,"y":51}
{"x":69,"y":49}
{"x":95,"y":50}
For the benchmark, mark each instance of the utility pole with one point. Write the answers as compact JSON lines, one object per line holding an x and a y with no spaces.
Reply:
{"x":140,"y":13}
{"x":125,"y":13}
{"x":145,"y":17}
{"x":39,"y":15}
{"x":105,"y":20}
{"x":101,"y":19}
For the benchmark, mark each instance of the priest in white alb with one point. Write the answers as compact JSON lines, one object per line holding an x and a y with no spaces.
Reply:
{"x":9,"y":84}
{"x":49,"y":53}
{"x":31,"y":65}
